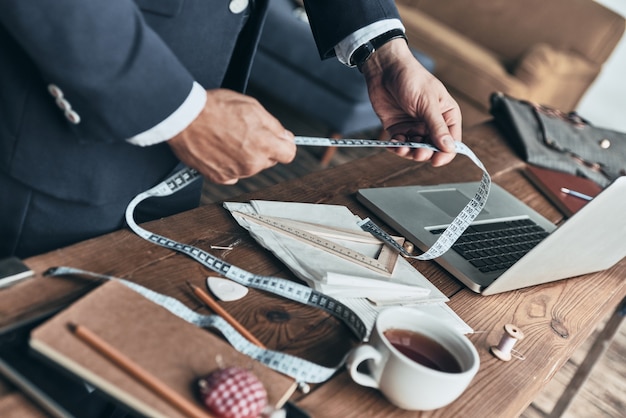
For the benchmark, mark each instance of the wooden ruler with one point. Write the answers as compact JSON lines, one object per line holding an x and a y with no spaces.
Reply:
{"x":320,"y":236}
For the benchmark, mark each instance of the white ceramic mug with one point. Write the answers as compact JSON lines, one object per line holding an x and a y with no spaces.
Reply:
{"x":406,"y":383}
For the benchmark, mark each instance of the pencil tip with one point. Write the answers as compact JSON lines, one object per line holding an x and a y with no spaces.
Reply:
{"x":192,"y":286}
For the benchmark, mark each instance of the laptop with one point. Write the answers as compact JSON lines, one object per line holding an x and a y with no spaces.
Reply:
{"x":509,"y":245}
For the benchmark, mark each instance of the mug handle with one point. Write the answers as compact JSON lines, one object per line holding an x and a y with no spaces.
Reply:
{"x":358,"y":356}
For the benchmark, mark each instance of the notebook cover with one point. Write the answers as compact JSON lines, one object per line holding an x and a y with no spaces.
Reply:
{"x":549,"y":182}
{"x":173,"y":350}
{"x":17,"y":405}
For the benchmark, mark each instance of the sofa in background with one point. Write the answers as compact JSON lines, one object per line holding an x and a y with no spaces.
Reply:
{"x":287,"y":68}
{"x":546,"y":51}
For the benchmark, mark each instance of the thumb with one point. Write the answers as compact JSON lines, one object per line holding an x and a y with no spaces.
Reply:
{"x":440,"y":135}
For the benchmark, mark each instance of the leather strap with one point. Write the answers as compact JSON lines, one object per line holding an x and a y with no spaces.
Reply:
{"x":365,"y":51}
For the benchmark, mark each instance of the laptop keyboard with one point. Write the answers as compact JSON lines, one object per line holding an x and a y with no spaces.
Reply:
{"x":497,"y":246}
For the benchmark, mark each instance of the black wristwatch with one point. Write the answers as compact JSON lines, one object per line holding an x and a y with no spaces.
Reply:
{"x":365,"y":51}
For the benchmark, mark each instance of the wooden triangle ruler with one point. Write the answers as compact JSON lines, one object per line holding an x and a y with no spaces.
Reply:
{"x":320,"y":236}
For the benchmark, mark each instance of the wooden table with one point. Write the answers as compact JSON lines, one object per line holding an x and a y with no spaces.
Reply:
{"x":555,"y":318}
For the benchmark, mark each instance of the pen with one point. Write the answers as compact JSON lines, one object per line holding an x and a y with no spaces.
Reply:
{"x":136,"y":371}
{"x":211,"y":303}
{"x":576,"y":194}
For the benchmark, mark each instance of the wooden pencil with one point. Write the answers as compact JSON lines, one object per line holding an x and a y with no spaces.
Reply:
{"x":211,"y":303}
{"x":137,"y":372}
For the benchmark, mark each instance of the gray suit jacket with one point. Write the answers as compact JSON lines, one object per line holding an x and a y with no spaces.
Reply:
{"x":121,"y":67}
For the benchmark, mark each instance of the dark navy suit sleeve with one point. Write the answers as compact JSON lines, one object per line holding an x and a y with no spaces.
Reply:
{"x":117,"y":74}
{"x":332,"y":20}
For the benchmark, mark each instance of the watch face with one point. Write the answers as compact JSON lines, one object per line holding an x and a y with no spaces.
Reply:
{"x":362,"y":54}
{"x":365,"y":51}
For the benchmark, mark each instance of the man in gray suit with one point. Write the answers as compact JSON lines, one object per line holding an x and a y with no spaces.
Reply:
{"x":100,"y":100}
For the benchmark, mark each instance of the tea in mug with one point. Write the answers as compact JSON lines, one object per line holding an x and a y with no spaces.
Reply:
{"x":423,"y":350}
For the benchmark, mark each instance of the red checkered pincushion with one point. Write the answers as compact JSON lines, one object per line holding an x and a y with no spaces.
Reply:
{"x":233,"y":392}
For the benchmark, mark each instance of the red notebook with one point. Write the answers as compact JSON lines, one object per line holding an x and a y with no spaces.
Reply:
{"x":550,"y":182}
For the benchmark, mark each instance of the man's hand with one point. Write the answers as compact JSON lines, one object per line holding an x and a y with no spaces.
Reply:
{"x":232,"y":138}
{"x":412,"y":104}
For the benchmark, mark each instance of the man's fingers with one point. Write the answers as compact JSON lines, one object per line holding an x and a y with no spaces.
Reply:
{"x":442,"y":158}
{"x":440,"y":132}
{"x":229,"y":182}
{"x":445,"y":143}
{"x":285,"y":150}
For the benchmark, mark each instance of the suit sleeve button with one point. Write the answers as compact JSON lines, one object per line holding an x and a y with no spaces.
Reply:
{"x":72,"y":116}
{"x":238,"y":6}
{"x":55,"y":91}
{"x":63,"y":104}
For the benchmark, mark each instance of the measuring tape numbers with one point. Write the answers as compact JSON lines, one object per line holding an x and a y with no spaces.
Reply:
{"x":282,"y":287}
{"x":456,"y":227}
{"x":303,"y":371}
{"x":287,"y":288}
{"x":299,"y":369}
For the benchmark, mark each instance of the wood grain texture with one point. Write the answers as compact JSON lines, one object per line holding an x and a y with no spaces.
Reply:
{"x":17,"y":405}
{"x":556,"y":318}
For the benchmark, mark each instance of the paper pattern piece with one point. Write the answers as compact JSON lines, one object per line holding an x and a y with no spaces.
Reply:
{"x":360,"y":288}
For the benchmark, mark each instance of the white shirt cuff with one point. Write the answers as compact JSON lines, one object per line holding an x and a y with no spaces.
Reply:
{"x":350,"y":43}
{"x":176,"y":122}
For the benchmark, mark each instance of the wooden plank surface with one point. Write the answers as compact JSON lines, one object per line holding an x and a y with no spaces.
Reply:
{"x":556,"y":318}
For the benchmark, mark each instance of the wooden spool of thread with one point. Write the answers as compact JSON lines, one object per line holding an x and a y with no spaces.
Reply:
{"x":512,"y":335}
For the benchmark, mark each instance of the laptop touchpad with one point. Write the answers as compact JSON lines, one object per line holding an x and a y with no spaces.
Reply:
{"x":451,"y":201}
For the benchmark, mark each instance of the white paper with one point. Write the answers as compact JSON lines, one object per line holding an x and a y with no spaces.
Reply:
{"x":364,"y":290}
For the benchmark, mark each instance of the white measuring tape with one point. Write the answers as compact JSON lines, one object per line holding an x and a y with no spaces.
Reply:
{"x":287,"y":288}
{"x":282,"y":287}
{"x":456,"y":227}
{"x":299,"y":369}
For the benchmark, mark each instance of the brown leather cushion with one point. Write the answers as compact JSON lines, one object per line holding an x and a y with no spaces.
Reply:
{"x":555,"y":77}
{"x":461,"y":64}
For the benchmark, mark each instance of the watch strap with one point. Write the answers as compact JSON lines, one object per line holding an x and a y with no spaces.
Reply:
{"x":365,"y":51}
